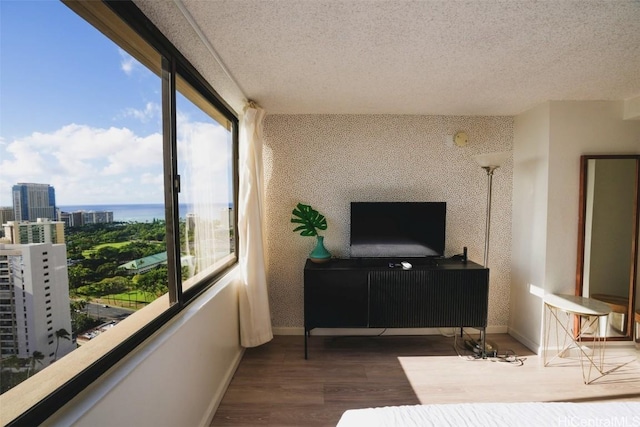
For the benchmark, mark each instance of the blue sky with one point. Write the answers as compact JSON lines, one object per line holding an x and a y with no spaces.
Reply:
{"x":76,"y":111}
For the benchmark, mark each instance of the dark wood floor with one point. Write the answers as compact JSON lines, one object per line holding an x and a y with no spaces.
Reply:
{"x":275,"y":386}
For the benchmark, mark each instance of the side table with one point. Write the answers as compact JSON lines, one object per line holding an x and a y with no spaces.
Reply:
{"x":576,"y":316}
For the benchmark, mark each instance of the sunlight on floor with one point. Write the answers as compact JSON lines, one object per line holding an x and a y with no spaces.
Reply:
{"x":466,"y":378}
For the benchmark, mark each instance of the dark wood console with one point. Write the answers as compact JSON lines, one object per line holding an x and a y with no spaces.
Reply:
{"x":377,"y":293}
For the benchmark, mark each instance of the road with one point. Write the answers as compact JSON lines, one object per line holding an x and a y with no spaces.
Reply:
{"x":108,"y":312}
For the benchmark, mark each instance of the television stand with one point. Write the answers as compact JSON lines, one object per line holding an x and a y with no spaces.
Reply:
{"x":358,"y":293}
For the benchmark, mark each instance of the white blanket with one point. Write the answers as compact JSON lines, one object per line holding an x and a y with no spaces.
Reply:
{"x":625,"y":414}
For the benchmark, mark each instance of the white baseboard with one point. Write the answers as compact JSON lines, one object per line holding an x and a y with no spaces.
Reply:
{"x":531,"y":345}
{"x":383,"y":331}
{"x":538,"y":348}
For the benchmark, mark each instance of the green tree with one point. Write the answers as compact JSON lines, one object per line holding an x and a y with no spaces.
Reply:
{"x":112,"y":285}
{"x":79,"y":276}
{"x":12,"y":362}
{"x":107,"y":269}
{"x":12,"y":372}
{"x":36,"y":357}
{"x":61,"y":334}
{"x":107,"y":253}
{"x":78,"y":305}
{"x":82,"y":322}
{"x":154,"y":282}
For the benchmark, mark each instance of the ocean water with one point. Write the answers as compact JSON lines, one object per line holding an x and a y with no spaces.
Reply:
{"x":126,"y":213}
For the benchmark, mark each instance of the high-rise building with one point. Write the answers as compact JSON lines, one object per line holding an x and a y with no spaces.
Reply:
{"x":80,"y":218}
{"x":40,"y":231}
{"x":34,"y":301}
{"x":33,"y":201}
{"x":71,"y":219}
{"x":97,"y":217}
{"x":6,"y":214}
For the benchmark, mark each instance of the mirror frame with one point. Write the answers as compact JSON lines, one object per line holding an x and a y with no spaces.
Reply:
{"x":633,"y":274}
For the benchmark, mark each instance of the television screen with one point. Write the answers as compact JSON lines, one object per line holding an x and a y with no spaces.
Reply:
{"x":397,"y":229}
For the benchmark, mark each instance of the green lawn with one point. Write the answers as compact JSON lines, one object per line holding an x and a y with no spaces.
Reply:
{"x":117,"y":245}
{"x":131,"y":299}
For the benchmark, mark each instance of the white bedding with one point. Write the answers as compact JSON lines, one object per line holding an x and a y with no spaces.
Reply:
{"x":625,"y":414}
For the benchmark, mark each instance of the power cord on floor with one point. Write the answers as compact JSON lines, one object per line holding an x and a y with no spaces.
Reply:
{"x":509,"y":357}
{"x":473,"y":351}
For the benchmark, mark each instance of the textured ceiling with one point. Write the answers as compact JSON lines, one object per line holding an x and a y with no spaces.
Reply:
{"x":481,"y":57}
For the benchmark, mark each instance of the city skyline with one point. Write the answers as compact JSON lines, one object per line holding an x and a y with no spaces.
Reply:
{"x":98,"y":144}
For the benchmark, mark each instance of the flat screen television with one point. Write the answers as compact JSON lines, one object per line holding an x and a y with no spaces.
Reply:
{"x":398,"y":229}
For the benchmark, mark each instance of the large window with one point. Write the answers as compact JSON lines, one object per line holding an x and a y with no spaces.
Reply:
{"x":142,"y":156}
{"x":206,"y":200}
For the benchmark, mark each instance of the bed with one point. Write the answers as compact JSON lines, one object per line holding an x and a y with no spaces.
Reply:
{"x":497,"y":414}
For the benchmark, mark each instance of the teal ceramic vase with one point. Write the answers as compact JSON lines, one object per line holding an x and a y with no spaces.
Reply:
{"x":319,"y":253}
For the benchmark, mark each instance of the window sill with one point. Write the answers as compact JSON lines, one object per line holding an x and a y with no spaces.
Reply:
{"x":26,"y":394}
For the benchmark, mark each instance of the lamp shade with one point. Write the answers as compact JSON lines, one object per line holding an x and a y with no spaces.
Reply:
{"x":492,"y":160}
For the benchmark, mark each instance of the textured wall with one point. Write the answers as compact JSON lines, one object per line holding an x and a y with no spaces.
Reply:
{"x":328,"y":161}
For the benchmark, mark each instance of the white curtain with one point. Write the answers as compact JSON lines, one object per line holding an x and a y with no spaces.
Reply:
{"x":255,"y":316}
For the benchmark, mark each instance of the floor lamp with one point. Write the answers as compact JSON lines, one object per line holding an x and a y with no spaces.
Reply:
{"x":489,"y":162}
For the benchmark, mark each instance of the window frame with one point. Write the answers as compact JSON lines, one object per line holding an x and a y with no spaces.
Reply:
{"x":173,"y":63}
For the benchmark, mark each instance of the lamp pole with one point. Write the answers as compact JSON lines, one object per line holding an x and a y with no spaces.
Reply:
{"x":489,"y":170}
{"x":489,"y":162}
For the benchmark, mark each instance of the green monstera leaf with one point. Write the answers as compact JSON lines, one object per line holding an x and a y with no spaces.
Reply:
{"x":310,"y":219}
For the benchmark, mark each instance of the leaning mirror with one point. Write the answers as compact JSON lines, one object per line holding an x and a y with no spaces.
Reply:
{"x":608,"y":238}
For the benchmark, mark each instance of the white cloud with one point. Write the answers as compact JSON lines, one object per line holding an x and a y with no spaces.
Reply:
{"x":134,"y":153}
{"x":154,"y":179}
{"x":150,"y":111}
{"x":202,"y":144}
{"x":88,"y":165}
{"x":84,"y":164}
{"x":127,"y":62}
{"x":204,"y":154}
